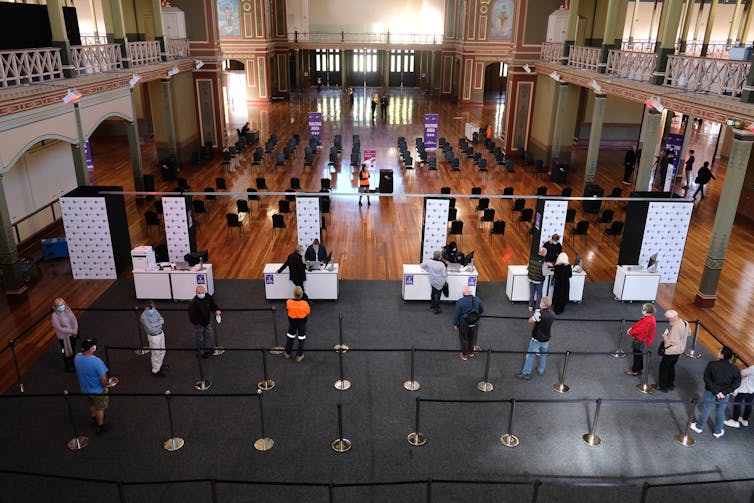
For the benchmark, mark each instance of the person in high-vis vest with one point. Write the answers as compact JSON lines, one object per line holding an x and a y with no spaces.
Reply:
{"x":298,"y":312}
{"x":364,"y":183}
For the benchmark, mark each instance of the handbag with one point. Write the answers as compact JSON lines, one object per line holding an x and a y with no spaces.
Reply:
{"x":661,"y":349}
{"x":446,"y":290}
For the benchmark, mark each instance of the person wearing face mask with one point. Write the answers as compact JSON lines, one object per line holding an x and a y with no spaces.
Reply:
{"x":316,"y":251}
{"x":66,"y":328}
{"x":643,"y":334}
{"x":201,"y":309}
{"x":296,"y":267}
{"x":92,"y":374}
{"x":152,"y":321}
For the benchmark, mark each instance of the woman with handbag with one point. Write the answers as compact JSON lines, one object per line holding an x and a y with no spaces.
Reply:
{"x":643,"y":334}
{"x":438,"y":277}
{"x":672,"y":345}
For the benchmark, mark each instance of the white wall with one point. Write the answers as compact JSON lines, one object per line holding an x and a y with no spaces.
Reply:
{"x":399,"y":16}
{"x":86,"y":12}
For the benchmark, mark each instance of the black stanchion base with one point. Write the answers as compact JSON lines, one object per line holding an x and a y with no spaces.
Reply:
{"x":341,"y":445}
{"x":266,"y":385}
{"x":561,"y":387}
{"x":645,"y":388}
{"x":277,"y":350}
{"x":618,"y":354}
{"x":692,"y":353}
{"x":218,"y":351}
{"x":416,"y":438}
{"x":173,"y":444}
{"x":203,"y":385}
{"x":592,"y":440}
{"x":77,"y":443}
{"x":412,"y":385}
{"x":484,"y":386}
{"x":509,"y":440}
{"x":263,"y":444}
{"x":342,"y":384}
{"x":21,"y":388}
{"x":684,"y":440}
{"x":142,"y":351}
{"x":341,"y":347}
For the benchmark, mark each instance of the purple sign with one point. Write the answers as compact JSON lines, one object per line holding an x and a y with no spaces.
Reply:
{"x":88,"y":155}
{"x":472,"y":280}
{"x":269,"y":279}
{"x":674,"y":142}
{"x":201,"y":279}
{"x":315,"y":125}
{"x":431,"y":123}
{"x":409,"y":278}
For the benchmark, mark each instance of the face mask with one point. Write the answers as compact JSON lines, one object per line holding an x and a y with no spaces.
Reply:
{"x":94,"y":348}
{"x":200,"y":295}
{"x":643,"y":312}
{"x":150,"y":312}
{"x":61,"y":308}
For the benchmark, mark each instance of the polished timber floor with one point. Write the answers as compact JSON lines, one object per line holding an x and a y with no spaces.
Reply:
{"x":372,"y":242}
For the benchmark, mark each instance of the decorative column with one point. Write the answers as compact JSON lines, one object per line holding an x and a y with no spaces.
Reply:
{"x":167,"y":110}
{"x":634,"y":14}
{"x":13,"y":280}
{"x":726,"y":213}
{"x":134,"y":148}
{"x":595,"y":136}
{"x":736,"y":12}
{"x":648,"y":149}
{"x":78,"y":151}
{"x":708,"y":28}
{"x":119,"y":31}
{"x":60,"y":36}
{"x":559,"y":125}
{"x":159,"y":29}
{"x":686,"y":25}
{"x":666,"y":34}
{"x":743,"y":26}
{"x":608,"y":38}
{"x":573,"y":23}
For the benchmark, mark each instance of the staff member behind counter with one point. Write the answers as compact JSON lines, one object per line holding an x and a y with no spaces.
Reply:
{"x":451,"y":254}
{"x":316,"y":251}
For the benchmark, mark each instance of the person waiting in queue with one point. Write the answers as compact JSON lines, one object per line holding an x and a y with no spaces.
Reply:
{"x":296,"y":266}
{"x":316,"y":251}
{"x":298,"y":312}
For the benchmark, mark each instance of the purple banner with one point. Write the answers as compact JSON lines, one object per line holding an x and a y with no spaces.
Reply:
{"x":674,"y":142}
{"x":431,"y":123}
{"x":409,"y":278}
{"x":88,"y":154}
{"x":269,"y":279}
{"x":315,"y":125}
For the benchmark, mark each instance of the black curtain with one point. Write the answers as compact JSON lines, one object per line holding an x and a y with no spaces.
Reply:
{"x":30,"y":26}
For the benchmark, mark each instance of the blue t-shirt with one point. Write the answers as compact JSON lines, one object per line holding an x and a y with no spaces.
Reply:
{"x":89,"y":369}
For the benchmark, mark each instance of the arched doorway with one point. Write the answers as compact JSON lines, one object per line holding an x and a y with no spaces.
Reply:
{"x":495,"y":80}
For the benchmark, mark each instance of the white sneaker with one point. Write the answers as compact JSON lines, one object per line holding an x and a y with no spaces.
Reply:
{"x":694,"y":427}
{"x":718,"y":435}
{"x":743,"y":421}
{"x":732,"y":423}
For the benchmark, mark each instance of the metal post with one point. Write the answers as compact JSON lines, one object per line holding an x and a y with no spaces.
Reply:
{"x":416,"y":438}
{"x":173,"y":443}
{"x":77,"y":442}
{"x":644,"y":491}
{"x":535,"y":490}
{"x":341,"y":444}
{"x":685,"y":439}
{"x":429,"y":491}
{"x":202,"y":384}
{"x":341,"y":384}
{"x":562,"y":387}
{"x":264,"y":443}
{"x":330,"y":493}
{"x":266,"y":383}
{"x":142,"y":348}
{"x":340,"y":345}
{"x":412,"y":384}
{"x":121,"y":492}
{"x":590,"y":438}
{"x":218,"y":349}
{"x":645,"y":387}
{"x":277,"y":349}
{"x":12,"y":344}
{"x":213,"y":488}
{"x":107,"y":357}
{"x":618,"y":351}
{"x":509,"y":439}
{"x":485,"y":385}
{"x":692,"y":352}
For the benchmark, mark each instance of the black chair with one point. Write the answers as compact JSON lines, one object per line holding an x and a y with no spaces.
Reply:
{"x":582,"y":226}
{"x":262,"y":184}
{"x":518,"y":205}
{"x":508,"y":191}
{"x":242,"y":206}
{"x":445,"y":190}
{"x":324,"y":205}
{"x":542,"y":190}
{"x":617,"y":192}
{"x":488,"y":216}
{"x":252,"y":195}
{"x":284,"y":206}
{"x":291,"y":197}
{"x":152,"y":219}
{"x":606,"y":217}
{"x":184,"y":185}
{"x":526,"y":215}
{"x":158,"y":207}
{"x":566,"y":192}
{"x":452,"y":214}
{"x":456,"y":229}
{"x":498,"y":227}
{"x":484,"y":203}
{"x":220,"y":183}
{"x":570,"y":216}
{"x":209,"y":197}
{"x":233,"y":221}
{"x":475,"y":191}
{"x":325,"y":183}
{"x":539,"y":166}
{"x":199,"y":207}
{"x":278,"y":222}
{"x":295,"y":183}
{"x":280,"y":161}
{"x":455,"y":164}
{"x":615,"y":229}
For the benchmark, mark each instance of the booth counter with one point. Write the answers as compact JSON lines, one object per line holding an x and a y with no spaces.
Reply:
{"x":416,"y":283}
{"x":517,"y":285}
{"x":319,"y":285}
{"x":173,"y":285}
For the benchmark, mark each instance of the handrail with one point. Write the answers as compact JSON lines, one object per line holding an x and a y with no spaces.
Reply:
{"x":365,"y":37}
{"x":737,"y":357}
{"x":177,"y":48}
{"x":27,"y":66}
{"x":96,"y":58}
{"x":144,"y":53}
{"x":714,"y":76}
{"x":50,"y":205}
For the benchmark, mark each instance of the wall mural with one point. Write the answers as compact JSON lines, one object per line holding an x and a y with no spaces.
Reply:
{"x":501,"y":20}
{"x":227,"y":18}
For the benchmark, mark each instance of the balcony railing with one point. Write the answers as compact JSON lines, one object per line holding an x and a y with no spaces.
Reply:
{"x":144,"y":53}
{"x":716,"y":76}
{"x":586,"y":58}
{"x":366,"y":38}
{"x":93,"y":39}
{"x":28,"y":66}
{"x":717,"y":50}
{"x":552,"y":52}
{"x":177,"y":47}
{"x":638,"y":45}
{"x":88,"y":59}
{"x":631,"y":65}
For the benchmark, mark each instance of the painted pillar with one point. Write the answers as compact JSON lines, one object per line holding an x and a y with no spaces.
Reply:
{"x":686,"y":26}
{"x":159,"y":30}
{"x":609,"y":35}
{"x":666,"y":33}
{"x":119,"y":31}
{"x":708,"y":28}
{"x":77,"y":149}
{"x":595,"y":136}
{"x":557,"y":130}
{"x":650,"y":134}
{"x":13,"y":281}
{"x":134,"y":148}
{"x":60,"y":36}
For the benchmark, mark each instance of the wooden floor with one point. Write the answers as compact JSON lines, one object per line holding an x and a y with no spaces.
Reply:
{"x":372,"y":242}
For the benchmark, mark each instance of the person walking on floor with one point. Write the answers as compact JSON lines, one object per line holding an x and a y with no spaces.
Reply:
{"x":201,"y":308}
{"x":673,"y":344}
{"x":152,"y":321}
{"x":643,"y":334}
{"x":540,"y":339}
{"x":721,"y":378}
{"x":742,"y":398}
{"x":688,"y":167}
{"x":438,"y":276}
{"x":469,"y":309}
{"x":364,"y":183}
{"x":536,"y":271}
{"x":298,"y":313}
{"x":383,"y":106}
{"x":629,"y":161}
{"x":373,"y":104}
{"x":703,"y":177}
{"x":66,"y":328}
{"x":92,"y":374}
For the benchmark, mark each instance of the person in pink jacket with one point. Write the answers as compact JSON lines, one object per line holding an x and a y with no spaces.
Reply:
{"x":643,"y":334}
{"x":66,"y":328}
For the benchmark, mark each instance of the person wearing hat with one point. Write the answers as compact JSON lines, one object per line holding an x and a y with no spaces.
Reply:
{"x":92,"y":374}
{"x":152,"y":321}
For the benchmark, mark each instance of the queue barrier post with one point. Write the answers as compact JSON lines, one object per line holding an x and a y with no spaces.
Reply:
{"x":591,"y":438}
{"x":121,"y":492}
{"x":342,"y":383}
{"x":561,"y":386}
{"x":618,"y":351}
{"x":416,"y":438}
{"x":276,"y":349}
{"x":692,"y":352}
{"x":218,"y":349}
{"x":509,"y":439}
{"x":644,"y":492}
{"x":341,"y":444}
{"x":340,"y":346}
{"x":485,"y":386}
{"x":263,"y":443}
{"x":412,"y":384}
{"x":107,"y":358}
{"x":535,"y":490}
{"x":12,"y":344}
{"x":202,"y":384}
{"x":77,"y":442}
{"x":684,"y":438}
{"x":173,"y":443}
{"x":330,"y":493}
{"x":142,"y":348}
{"x":266,"y":383}
{"x":644,"y":386}
{"x":429,"y":491}
{"x":213,"y":489}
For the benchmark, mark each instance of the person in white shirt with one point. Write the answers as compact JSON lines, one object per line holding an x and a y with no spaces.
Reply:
{"x":438,"y":275}
{"x":742,"y":398}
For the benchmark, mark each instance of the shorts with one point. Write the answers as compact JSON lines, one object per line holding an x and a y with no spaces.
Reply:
{"x":100,"y":402}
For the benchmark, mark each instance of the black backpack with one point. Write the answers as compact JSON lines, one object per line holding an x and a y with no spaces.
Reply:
{"x":471,"y":317}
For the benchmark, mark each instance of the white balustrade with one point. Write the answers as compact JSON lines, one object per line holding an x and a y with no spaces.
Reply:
{"x":586,"y":58}
{"x":30,"y":65}
{"x":367,"y":38}
{"x":716,"y":76}
{"x":88,"y":59}
{"x":631,"y":65}
{"x":144,"y":53}
{"x":177,"y":47}
{"x":93,"y":39}
{"x":552,"y":52}
{"x":638,"y":45}
{"x":718,"y":49}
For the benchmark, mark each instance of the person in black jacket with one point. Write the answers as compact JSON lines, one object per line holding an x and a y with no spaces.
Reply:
{"x":721,"y":378}
{"x":296,"y":266}
{"x":316,"y":251}
{"x":540,"y":339}
{"x":201,"y":308}
{"x":703,"y":176}
{"x":629,"y":161}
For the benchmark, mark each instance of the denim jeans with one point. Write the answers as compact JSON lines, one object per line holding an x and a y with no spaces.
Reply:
{"x":204,"y":336}
{"x":535,"y":294}
{"x":436,"y":293}
{"x":536,"y":347}
{"x":707,"y":401}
